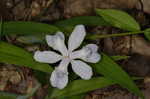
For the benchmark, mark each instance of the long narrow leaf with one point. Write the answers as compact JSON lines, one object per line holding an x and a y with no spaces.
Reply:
{"x":15,"y":55}
{"x":119,"y":19}
{"x":147,"y":33}
{"x":81,"y":86}
{"x":5,"y":95}
{"x":22,"y":28}
{"x":111,"y":70}
{"x":68,"y":24}
{"x":85,"y":20}
{"x":118,"y":57}
{"x":80,"y":96}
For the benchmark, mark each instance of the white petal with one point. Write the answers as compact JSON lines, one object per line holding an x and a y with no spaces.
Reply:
{"x":88,"y":53}
{"x":47,"y":57}
{"x":76,"y":37}
{"x":82,"y":69}
{"x":93,"y":47}
{"x":59,"y":79}
{"x":94,"y":58}
{"x":64,"y":64}
{"x":57,"y":42}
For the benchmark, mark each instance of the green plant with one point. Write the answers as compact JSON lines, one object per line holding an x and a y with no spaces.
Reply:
{"x":111,"y":71}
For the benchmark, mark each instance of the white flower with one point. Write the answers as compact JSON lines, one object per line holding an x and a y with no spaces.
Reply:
{"x":59,"y":77}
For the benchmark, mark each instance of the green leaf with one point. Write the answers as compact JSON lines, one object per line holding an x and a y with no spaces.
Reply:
{"x":119,"y":19}
{"x":21,"y":27}
{"x":118,"y":57}
{"x":68,"y":24}
{"x":114,"y":72}
{"x":41,"y":77}
{"x":81,"y":86}
{"x":30,"y":39}
{"x":32,"y":32}
{"x":147,"y":33}
{"x":80,"y":96}
{"x":5,"y":95}
{"x":18,"y":56}
{"x":85,"y":20}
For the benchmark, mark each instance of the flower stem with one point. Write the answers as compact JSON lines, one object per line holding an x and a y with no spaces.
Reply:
{"x":97,"y":36}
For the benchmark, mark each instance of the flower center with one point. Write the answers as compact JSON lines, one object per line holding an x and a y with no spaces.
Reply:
{"x":66,"y":56}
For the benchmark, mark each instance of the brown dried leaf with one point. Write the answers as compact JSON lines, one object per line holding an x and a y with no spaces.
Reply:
{"x":76,"y":8}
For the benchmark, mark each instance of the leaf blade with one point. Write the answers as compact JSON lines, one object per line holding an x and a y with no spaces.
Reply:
{"x":147,"y":33}
{"x":22,"y":27}
{"x":75,"y":88}
{"x":111,"y":70}
{"x":118,"y":57}
{"x":85,"y":20}
{"x":15,"y":55}
{"x":119,"y":19}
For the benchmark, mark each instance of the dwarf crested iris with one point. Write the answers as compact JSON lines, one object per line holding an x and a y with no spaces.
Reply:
{"x":59,"y":77}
